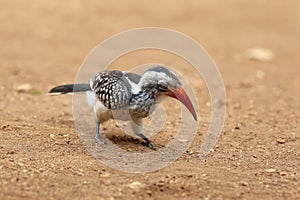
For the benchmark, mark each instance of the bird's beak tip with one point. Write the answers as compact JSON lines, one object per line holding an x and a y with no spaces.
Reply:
{"x":182,"y":96}
{"x":195,"y":117}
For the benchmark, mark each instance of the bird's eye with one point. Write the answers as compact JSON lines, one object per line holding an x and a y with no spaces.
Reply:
{"x":162,"y":86}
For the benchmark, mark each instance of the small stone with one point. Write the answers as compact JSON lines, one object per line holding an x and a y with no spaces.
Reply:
{"x":105,"y":175}
{"x":10,"y":152}
{"x":283,"y":173}
{"x":281,"y":140}
{"x":182,"y":140}
{"x":259,"y":54}
{"x":20,"y":164}
{"x":4,"y":126}
{"x":160,"y":184}
{"x":24,"y":88}
{"x":244,"y":183}
{"x":237,"y":127}
{"x":136,"y":185}
{"x":271,"y":170}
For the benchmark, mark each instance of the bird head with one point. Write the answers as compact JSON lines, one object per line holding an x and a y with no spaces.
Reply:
{"x":163,"y":82}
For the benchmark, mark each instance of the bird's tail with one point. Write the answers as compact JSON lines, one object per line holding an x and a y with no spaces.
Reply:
{"x":64,"y":89}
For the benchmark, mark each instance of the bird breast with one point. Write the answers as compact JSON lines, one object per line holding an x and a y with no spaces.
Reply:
{"x":142,"y":104}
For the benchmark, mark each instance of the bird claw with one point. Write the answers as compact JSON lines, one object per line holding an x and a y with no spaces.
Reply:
{"x":151,"y":145}
{"x":148,"y":142}
{"x":100,"y":141}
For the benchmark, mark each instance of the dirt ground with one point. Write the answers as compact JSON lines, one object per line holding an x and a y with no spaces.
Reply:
{"x":43,"y":43}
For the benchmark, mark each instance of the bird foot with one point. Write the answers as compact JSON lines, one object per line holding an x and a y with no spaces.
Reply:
{"x":150,"y":144}
{"x":100,"y":141}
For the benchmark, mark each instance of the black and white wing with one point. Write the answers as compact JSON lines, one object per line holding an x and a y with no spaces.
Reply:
{"x":112,"y":88}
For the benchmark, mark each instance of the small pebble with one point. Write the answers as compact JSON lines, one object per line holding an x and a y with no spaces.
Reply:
{"x":105,"y":175}
{"x":259,"y":54}
{"x":160,"y":183}
{"x":20,"y":164}
{"x":244,"y":183}
{"x":237,"y":127}
{"x":24,"y":88}
{"x":271,"y":170}
{"x":136,"y":185}
{"x":282,"y":173}
{"x":182,"y":140}
{"x":281,"y":140}
{"x":4,"y":126}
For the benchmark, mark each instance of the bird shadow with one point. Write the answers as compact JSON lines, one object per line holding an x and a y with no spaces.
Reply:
{"x":129,"y":143}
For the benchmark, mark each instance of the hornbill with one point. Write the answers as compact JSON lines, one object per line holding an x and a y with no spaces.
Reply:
{"x":114,"y":91}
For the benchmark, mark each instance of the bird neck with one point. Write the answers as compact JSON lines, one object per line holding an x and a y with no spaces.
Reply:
{"x":142,"y":104}
{"x":144,"y":96}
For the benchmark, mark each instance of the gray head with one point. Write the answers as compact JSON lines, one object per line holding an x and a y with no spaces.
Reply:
{"x":163,"y":82}
{"x":159,"y":79}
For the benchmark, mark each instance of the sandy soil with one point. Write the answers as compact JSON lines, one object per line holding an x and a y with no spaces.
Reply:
{"x":43,"y":43}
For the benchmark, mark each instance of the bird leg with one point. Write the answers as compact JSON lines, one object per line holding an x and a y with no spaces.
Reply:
{"x":98,"y":137}
{"x":137,"y":126}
